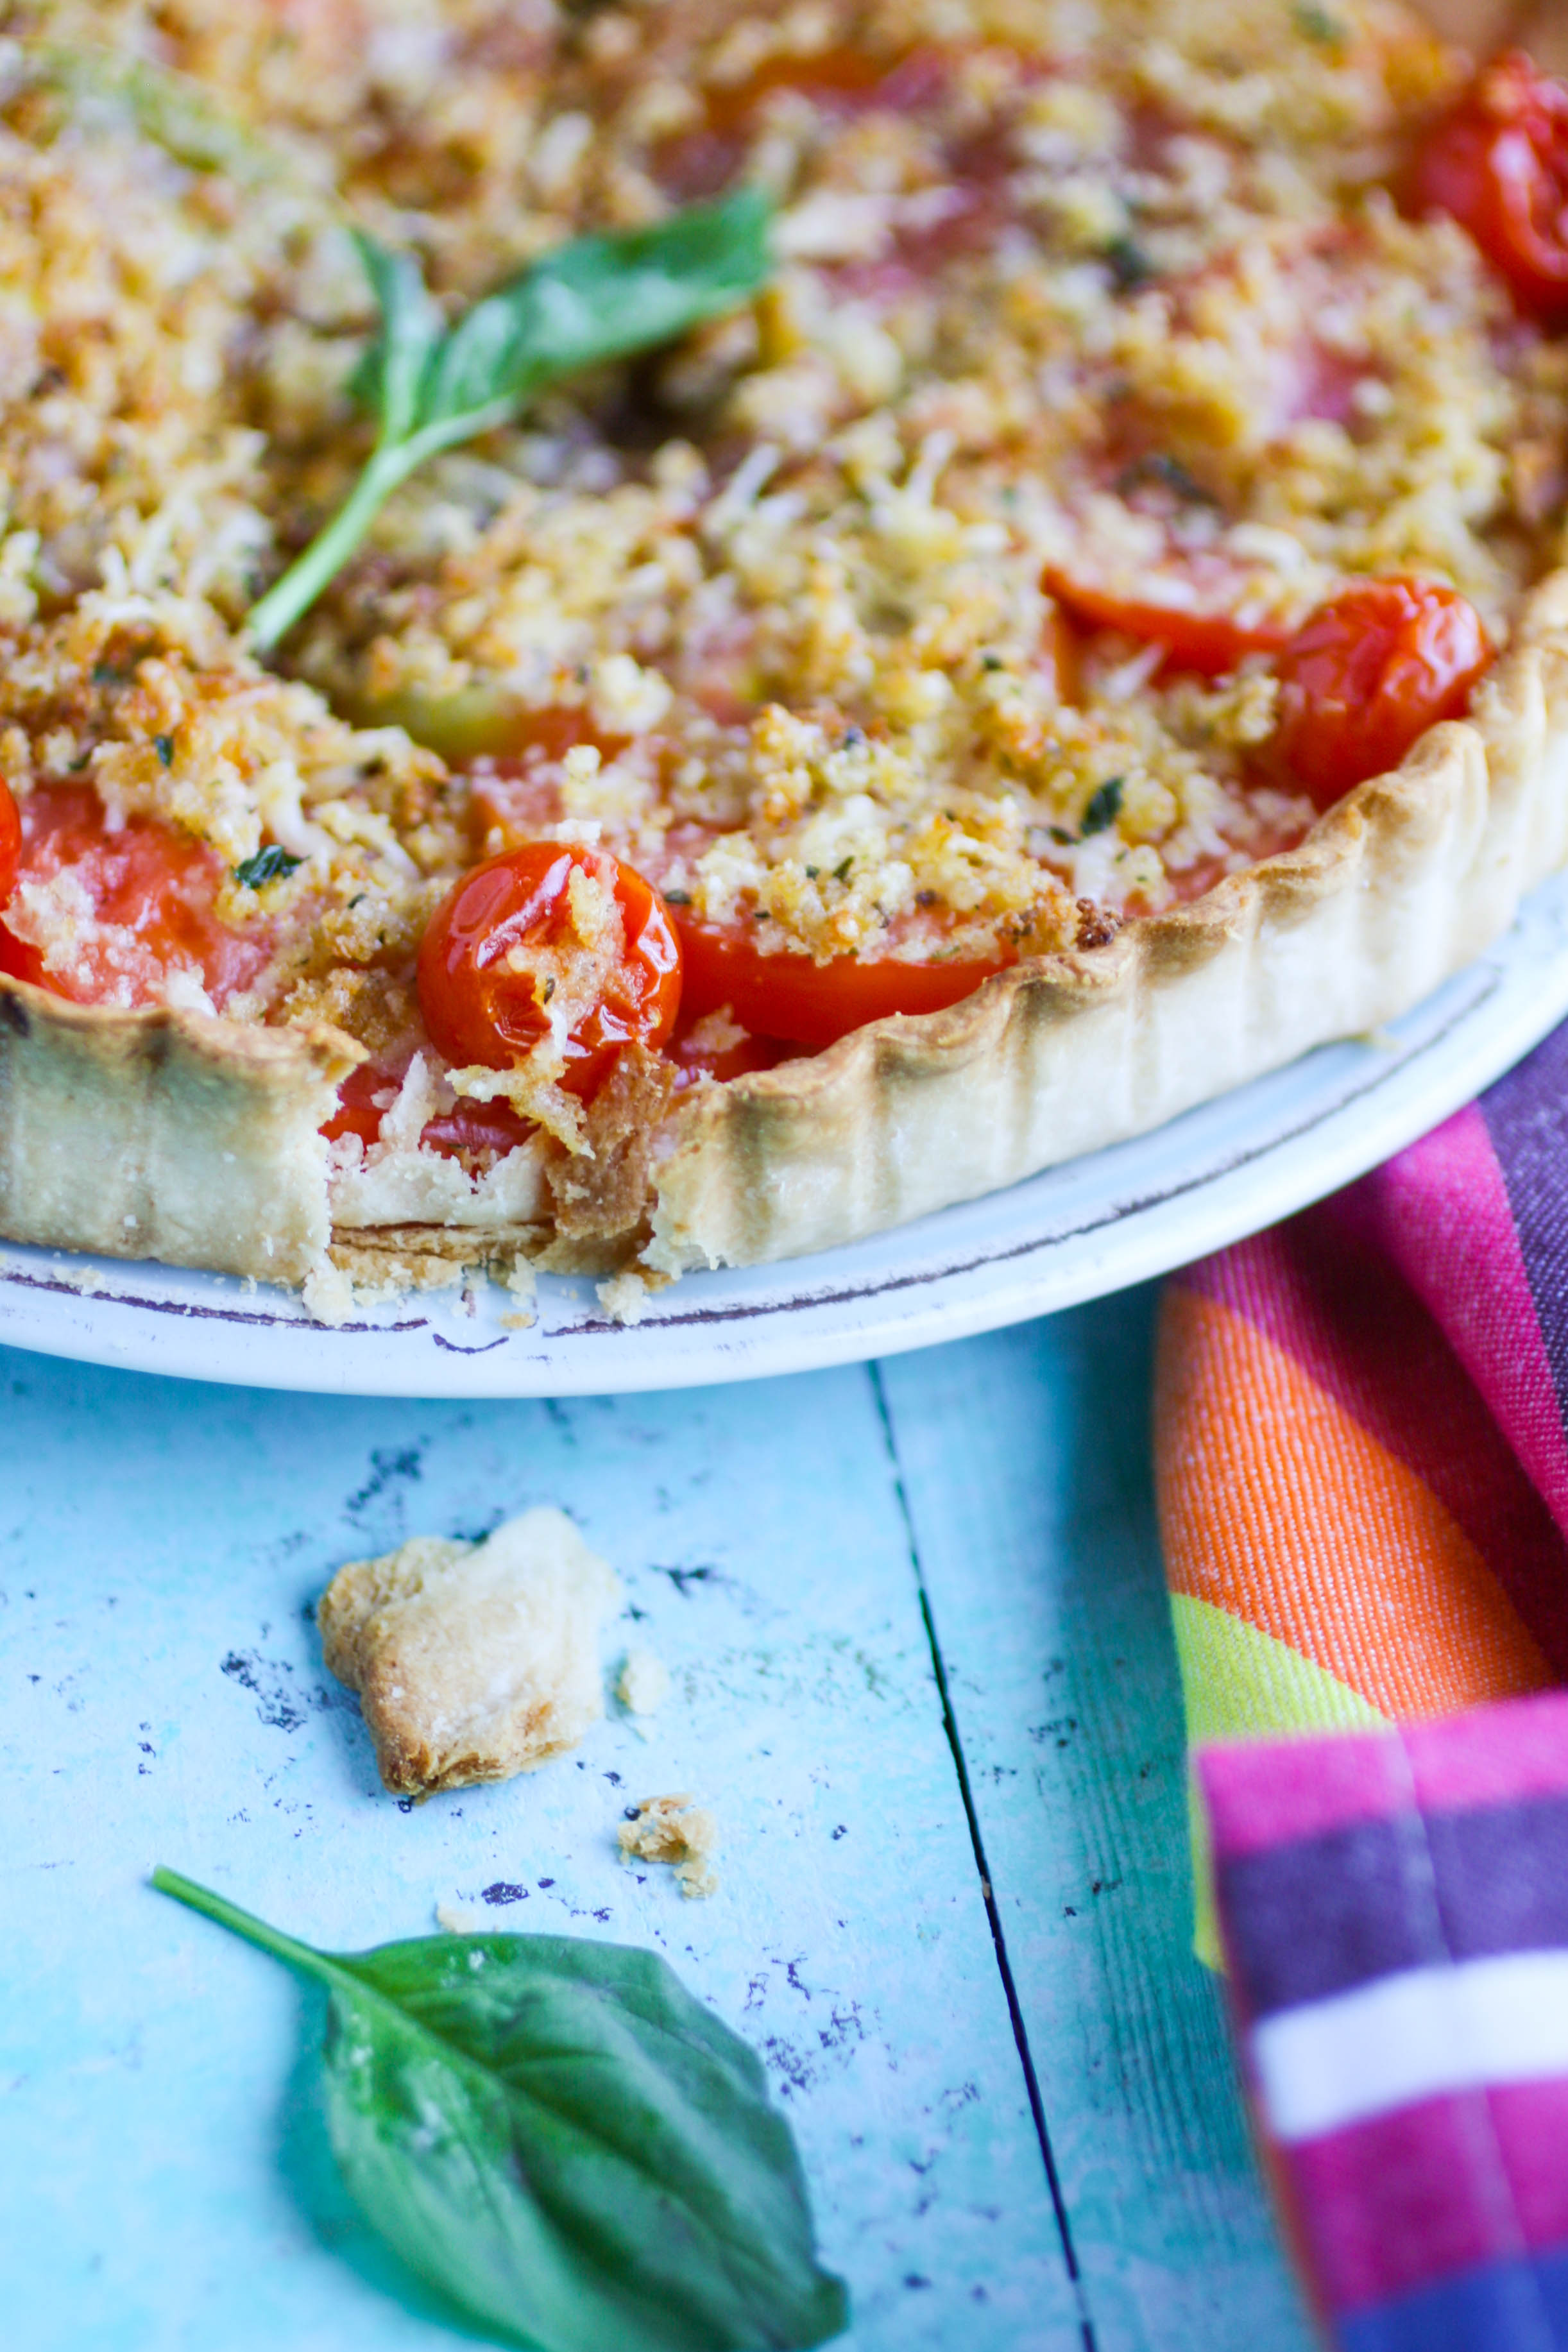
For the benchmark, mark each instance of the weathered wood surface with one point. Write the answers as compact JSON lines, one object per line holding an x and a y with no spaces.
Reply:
{"x":162,"y":2164}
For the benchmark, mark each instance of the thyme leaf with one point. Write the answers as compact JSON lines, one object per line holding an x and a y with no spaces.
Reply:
{"x":268,"y":865}
{"x":1104,"y":808}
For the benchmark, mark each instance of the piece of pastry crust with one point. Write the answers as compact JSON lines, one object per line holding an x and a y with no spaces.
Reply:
{"x":195,"y":1140}
{"x":1398,"y":887}
{"x":166,"y":1134}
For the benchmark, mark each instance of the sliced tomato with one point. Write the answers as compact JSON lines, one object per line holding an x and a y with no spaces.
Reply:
{"x":468,"y":1128}
{"x":1206,"y":638}
{"x":471,"y":1128}
{"x":508,"y":937}
{"x":695,"y":1056}
{"x":1499,"y":164}
{"x":147,"y":894}
{"x":358,"y":1112}
{"x":844,"y":80}
{"x":789,"y":996}
{"x":1367,"y":675}
{"x":10,"y":843}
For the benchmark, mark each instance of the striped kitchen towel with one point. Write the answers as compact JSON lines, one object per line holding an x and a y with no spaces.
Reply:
{"x":1396,"y":1916}
{"x":1363,"y":1460}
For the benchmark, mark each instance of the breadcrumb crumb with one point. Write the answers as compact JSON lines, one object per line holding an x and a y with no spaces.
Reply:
{"x":673,"y":1829}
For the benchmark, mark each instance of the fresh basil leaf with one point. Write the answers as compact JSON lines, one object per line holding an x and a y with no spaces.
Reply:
{"x":1104,"y":808}
{"x":598,"y":298}
{"x":595,"y":299}
{"x":392,"y":376}
{"x":268,"y":865}
{"x":556,"y":2134}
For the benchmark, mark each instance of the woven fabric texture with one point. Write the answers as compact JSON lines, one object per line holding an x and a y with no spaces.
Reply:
{"x":1361,"y":1444}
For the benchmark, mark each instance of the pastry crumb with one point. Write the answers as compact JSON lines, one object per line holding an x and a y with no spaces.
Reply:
{"x":520,"y":1280}
{"x":674,"y":1830}
{"x":455,"y":1920}
{"x":642,"y":1685}
{"x":625,"y":1298}
{"x":328,"y":1296}
{"x":472,"y":1661}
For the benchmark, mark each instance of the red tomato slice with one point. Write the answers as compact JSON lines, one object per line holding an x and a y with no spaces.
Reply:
{"x":789,"y":996}
{"x":468,"y":1127}
{"x":150,"y":892}
{"x":494,"y":950}
{"x":358,"y":1113}
{"x":473,"y":1128}
{"x":743,"y":1054}
{"x":1207,"y":640}
{"x":10,"y":843}
{"x":847,"y":81}
{"x":1498,"y":165}
{"x":1367,"y":675}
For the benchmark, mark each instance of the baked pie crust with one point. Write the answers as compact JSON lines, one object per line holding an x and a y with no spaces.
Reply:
{"x":179,"y":1135}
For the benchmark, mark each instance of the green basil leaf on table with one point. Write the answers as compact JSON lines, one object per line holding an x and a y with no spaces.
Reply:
{"x":593,"y":299}
{"x":559,"y":2136}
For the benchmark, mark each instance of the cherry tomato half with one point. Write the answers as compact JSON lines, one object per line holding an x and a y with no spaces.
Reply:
{"x":1208,"y":641}
{"x":151,"y":890}
{"x":788,"y":995}
{"x":1499,"y":164}
{"x":10,"y":843}
{"x":509,"y":936}
{"x":1369,"y":673}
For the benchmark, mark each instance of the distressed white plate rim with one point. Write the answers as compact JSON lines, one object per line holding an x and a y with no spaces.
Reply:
{"x":1075,"y":1233}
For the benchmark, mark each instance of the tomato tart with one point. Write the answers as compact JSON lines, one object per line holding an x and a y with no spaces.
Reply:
{"x":641,"y":636}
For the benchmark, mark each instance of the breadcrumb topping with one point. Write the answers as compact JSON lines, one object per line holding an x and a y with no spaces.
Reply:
{"x":1105,"y":291}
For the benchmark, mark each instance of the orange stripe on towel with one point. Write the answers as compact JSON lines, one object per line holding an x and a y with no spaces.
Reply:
{"x":1275,"y":1505}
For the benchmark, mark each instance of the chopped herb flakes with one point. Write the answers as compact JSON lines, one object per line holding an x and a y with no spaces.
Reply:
{"x":268,"y":865}
{"x":1316,"y":25}
{"x":1130,"y":266}
{"x":1157,"y":471}
{"x":1104,"y":808}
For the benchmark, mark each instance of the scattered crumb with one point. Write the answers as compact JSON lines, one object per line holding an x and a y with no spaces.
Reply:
{"x":674,"y":1830}
{"x":328,"y":1296}
{"x":625,"y":1298}
{"x":520,"y":1278}
{"x":644,"y":1683}
{"x":85,"y":1279}
{"x":472,"y":1661}
{"x":453,"y":1919}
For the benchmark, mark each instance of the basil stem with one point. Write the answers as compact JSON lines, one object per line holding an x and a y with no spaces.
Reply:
{"x":554,"y":2133}
{"x":593,"y":299}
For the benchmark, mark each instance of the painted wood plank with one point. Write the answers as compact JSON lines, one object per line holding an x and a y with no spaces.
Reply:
{"x":1025,"y":1463}
{"x":162,"y":1698}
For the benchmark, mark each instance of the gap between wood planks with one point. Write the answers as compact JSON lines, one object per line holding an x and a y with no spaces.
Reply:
{"x":998,"y":1937}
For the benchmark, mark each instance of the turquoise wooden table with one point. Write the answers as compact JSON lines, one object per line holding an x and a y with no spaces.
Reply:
{"x":922,"y":1670}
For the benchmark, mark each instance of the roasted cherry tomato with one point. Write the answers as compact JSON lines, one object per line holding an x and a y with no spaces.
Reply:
{"x":788,"y":995}
{"x":10,"y":843}
{"x":1368,"y":673}
{"x":151,"y":893}
{"x":1499,"y":163}
{"x":1208,"y":641}
{"x":515,"y":930}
